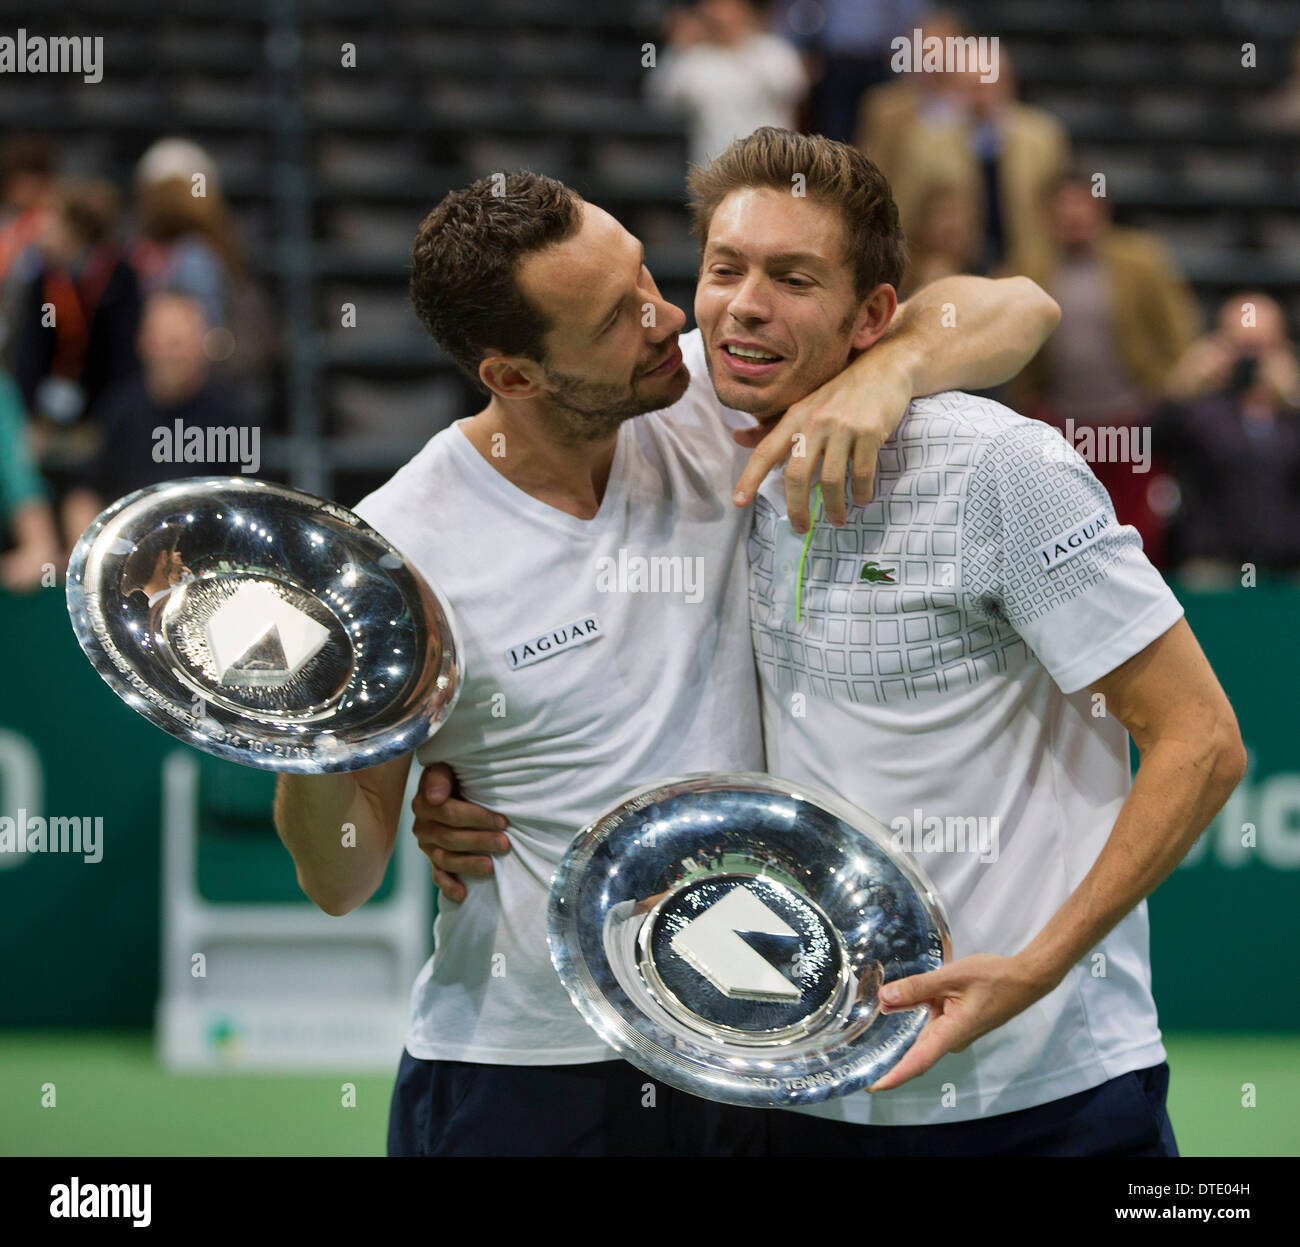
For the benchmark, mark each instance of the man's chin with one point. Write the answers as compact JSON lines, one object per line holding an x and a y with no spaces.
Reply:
{"x":751,"y":404}
{"x":660,"y":392}
{"x":741,"y":397}
{"x":738,"y":396}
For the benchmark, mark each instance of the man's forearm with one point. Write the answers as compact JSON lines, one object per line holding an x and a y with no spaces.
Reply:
{"x":1178,"y":789}
{"x":969,"y":333}
{"x":338,"y":833}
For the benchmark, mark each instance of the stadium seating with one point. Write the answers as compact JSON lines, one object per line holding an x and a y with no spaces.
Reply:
{"x":331,"y":168}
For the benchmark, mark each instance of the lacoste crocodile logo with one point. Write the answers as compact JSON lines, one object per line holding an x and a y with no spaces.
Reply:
{"x":871,"y":570}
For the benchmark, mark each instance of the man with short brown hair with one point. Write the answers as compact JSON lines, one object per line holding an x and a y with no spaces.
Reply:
{"x":966,"y":659}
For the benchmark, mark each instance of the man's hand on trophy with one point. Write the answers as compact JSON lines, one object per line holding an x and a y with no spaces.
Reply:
{"x":967,"y":999}
{"x":457,"y":836}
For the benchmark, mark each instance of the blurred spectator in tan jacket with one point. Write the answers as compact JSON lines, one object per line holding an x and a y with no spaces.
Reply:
{"x":1127,"y":315}
{"x":1001,"y":153}
{"x":887,"y":113}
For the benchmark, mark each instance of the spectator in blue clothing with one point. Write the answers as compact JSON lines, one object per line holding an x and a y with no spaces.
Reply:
{"x":849,"y":41}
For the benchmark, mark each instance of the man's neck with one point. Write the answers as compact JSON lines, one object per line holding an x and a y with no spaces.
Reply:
{"x":737,"y":38}
{"x":169,"y":394}
{"x":570,"y":476}
{"x":1086,"y":250}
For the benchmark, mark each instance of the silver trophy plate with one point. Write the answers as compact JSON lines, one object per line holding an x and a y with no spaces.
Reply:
{"x":263,"y":625}
{"x":728,"y":934}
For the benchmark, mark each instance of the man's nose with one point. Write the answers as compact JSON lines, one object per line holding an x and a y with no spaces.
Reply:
{"x":750,"y":301}
{"x":667,"y":319}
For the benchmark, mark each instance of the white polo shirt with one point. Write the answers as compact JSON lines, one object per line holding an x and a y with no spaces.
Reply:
{"x":600,"y":656}
{"x":929,"y":662}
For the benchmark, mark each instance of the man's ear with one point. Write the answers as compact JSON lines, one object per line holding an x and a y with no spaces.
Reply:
{"x":874,"y":314}
{"x":511,"y":376}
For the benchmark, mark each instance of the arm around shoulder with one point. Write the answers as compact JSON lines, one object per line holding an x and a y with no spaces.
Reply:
{"x":971,"y":333}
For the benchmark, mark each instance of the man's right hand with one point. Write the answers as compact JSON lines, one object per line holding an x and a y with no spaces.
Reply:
{"x":457,"y":836}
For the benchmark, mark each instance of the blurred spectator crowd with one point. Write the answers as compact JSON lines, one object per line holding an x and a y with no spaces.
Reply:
{"x":115,"y":322}
{"x":127,"y":309}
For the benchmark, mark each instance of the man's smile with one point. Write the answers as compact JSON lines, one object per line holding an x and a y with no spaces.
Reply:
{"x":749,"y":359}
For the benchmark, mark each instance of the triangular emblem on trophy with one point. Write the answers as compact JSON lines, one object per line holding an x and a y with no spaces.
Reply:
{"x":256,"y":638}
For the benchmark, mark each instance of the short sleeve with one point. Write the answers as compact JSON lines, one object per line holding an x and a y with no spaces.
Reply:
{"x":1044,"y":553}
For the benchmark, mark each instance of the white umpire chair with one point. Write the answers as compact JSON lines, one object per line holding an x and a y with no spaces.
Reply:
{"x":284,"y":986}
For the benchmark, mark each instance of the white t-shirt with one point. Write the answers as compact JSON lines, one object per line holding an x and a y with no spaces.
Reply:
{"x":949,"y":686}
{"x":600,"y":655}
{"x":728,"y":93}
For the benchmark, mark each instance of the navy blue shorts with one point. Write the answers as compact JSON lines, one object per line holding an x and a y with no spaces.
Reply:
{"x":1123,"y":1117}
{"x":610,"y":1108}
{"x":455,"y":1108}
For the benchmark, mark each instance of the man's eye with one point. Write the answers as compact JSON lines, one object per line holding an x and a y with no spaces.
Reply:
{"x":722,"y":271}
{"x":797,"y":282}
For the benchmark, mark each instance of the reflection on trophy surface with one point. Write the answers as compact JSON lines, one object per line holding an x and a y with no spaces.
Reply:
{"x":729,"y":934}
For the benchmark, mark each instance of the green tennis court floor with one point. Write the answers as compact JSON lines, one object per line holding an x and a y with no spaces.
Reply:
{"x":112,"y":1099}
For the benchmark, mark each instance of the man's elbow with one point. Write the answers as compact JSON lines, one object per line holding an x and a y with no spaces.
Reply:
{"x":336,"y":908}
{"x":336,"y":904}
{"x":1229,"y":764}
{"x":1036,"y":300}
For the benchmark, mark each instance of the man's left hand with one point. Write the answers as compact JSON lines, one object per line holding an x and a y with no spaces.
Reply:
{"x":967,"y":999}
